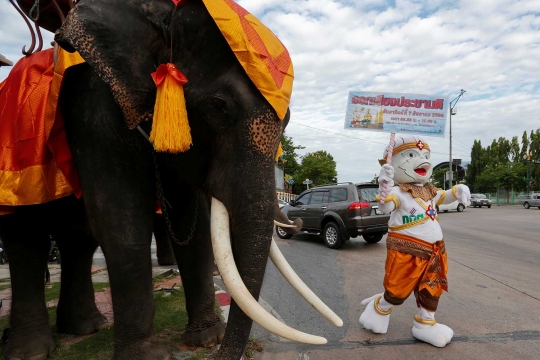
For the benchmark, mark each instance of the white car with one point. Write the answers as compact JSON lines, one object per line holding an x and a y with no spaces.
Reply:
{"x":456,"y":205}
{"x":281,"y":203}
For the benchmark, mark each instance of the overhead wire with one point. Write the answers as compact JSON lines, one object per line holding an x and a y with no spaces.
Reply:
{"x":369,"y":141}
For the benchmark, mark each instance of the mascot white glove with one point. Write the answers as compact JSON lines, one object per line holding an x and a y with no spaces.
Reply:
{"x":386,"y":175}
{"x":463,"y":194}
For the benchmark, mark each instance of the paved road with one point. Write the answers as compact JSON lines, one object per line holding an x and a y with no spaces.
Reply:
{"x":493,"y":305}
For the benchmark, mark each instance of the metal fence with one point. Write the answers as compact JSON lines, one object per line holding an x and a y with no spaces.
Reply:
{"x":502,"y":197}
{"x":285,"y":196}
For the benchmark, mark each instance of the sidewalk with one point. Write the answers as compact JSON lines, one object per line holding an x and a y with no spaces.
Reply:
{"x":104,"y":300}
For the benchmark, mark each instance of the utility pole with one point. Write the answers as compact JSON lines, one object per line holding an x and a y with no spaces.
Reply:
{"x":453,"y":111}
{"x":527,"y":158}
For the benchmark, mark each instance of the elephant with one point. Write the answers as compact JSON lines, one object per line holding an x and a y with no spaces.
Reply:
{"x":26,"y":236}
{"x":164,"y":252}
{"x":226,"y":176}
{"x":64,"y":219}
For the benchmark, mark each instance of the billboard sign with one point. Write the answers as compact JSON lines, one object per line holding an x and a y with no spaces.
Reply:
{"x":397,"y":113}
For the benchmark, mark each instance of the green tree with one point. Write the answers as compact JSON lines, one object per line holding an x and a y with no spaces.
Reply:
{"x":524,"y":145}
{"x":476,"y":166}
{"x":534,"y":149}
{"x":437,"y":178}
{"x":485,"y":181}
{"x":509,"y":176}
{"x":515,"y":151}
{"x":289,"y":159}
{"x":319,"y":167}
{"x":504,"y":149}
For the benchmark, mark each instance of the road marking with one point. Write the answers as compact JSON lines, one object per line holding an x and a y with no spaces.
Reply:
{"x":224,"y":303}
{"x":522,"y":335}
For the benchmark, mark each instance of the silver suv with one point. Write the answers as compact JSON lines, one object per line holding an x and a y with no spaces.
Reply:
{"x":480,"y":200}
{"x":338,"y":212}
{"x":530,"y":200}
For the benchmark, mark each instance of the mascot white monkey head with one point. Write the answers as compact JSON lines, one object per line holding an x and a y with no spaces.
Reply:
{"x":410,"y":160}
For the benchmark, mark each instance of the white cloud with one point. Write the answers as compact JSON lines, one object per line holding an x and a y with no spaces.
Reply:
{"x":488,"y":47}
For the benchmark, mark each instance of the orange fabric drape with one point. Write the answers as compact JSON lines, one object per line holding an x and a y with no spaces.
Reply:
{"x":418,"y":265}
{"x":35,"y":161}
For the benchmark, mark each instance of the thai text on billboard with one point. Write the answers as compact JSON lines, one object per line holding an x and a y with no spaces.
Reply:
{"x":397,"y":113}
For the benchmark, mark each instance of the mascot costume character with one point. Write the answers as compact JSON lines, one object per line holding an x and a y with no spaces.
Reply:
{"x":416,"y":255}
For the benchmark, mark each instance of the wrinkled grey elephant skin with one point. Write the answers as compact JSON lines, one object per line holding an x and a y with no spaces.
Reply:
{"x":235,"y":137}
{"x":26,"y":236}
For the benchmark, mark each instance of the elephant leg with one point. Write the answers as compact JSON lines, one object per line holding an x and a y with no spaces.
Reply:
{"x":127,"y":252}
{"x":124,"y":233}
{"x":165,"y":254}
{"x":118,"y":182}
{"x":77,"y":312}
{"x":196,"y":264}
{"x":27,"y":247}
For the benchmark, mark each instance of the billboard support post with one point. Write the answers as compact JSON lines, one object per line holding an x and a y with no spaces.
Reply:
{"x":452,"y":112}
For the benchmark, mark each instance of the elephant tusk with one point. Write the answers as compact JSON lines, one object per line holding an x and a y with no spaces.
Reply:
{"x":288,"y":273}
{"x":282,"y":225}
{"x":221,"y":244}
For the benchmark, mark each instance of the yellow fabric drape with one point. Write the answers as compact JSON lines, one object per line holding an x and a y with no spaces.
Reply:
{"x":261,"y":54}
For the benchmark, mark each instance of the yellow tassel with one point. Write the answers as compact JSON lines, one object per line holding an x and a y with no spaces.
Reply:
{"x":279,"y":152}
{"x":170,"y":129}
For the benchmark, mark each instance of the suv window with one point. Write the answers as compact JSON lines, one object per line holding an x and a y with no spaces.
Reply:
{"x":303,"y":200}
{"x":339,"y":194}
{"x":368,"y":193}
{"x":317,"y":197}
{"x":337,"y":215}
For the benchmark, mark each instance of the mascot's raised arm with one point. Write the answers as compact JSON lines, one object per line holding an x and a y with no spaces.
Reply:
{"x":416,"y":255}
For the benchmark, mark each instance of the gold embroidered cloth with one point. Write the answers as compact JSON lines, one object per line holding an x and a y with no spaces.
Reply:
{"x":426,"y":192}
{"x":261,"y":54}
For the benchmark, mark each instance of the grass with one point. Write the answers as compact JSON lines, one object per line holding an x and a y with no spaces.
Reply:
{"x":170,"y":320}
{"x":201,"y":354}
{"x":160,"y":278}
{"x":52,"y":291}
{"x":252,"y":346}
{"x":98,"y":271}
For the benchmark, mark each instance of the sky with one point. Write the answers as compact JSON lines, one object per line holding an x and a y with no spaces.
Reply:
{"x":490,"y":48}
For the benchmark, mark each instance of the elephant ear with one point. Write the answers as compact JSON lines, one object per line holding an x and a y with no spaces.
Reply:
{"x":121,"y":41}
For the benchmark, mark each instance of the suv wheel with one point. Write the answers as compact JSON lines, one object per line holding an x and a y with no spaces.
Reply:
{"x":489,"y":207}
{"x":460,"y":207}
{"x":332,"y":236}
{"x":282,"y":233}
{"x":373,"y":238}
{"x":526,"y":205}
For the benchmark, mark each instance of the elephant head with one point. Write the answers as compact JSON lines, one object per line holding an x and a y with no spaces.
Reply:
{"x":235,"y":124}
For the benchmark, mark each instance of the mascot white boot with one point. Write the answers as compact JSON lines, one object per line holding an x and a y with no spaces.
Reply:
{"x":416,"y":255}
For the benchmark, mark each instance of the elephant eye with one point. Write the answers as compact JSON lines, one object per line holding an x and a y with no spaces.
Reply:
{"x":219,"y":112}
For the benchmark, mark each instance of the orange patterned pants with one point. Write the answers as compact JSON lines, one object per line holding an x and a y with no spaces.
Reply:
{"x":414,"y":265}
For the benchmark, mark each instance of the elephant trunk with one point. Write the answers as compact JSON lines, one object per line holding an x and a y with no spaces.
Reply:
{"x":290,"y":227}
{"x":243,"y":272}
{"x":250,"y":229}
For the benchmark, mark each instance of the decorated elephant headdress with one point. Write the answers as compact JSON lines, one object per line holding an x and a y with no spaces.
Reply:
{"x":261,"y":54}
